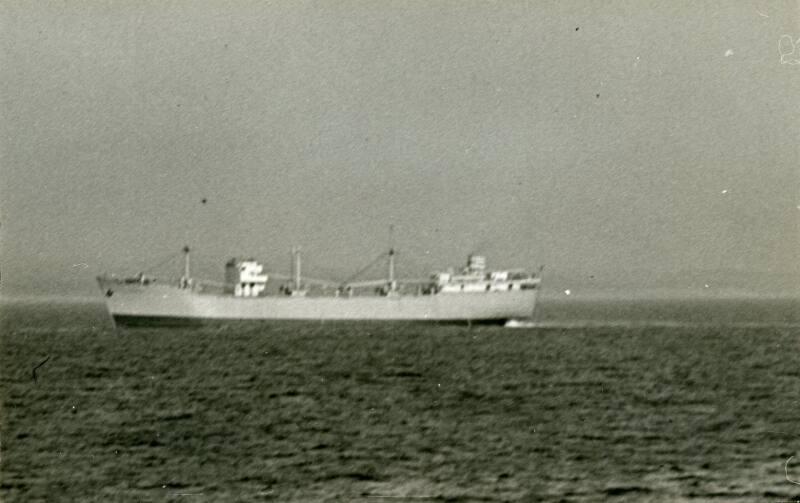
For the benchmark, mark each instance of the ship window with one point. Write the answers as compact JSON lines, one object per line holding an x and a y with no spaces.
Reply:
{"x":488,"y":287}
{"x":510,"y":286}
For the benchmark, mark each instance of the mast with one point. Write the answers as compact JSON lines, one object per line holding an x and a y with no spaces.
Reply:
{"x":296,"y":267}
{"x":392,"y":282}
{"x":391,"y":269}
{"x":186,"y":266}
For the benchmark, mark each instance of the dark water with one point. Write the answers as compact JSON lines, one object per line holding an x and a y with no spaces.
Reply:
{"x":605,"y":401}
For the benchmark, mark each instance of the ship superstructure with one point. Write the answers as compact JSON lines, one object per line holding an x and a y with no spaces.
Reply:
{"x":475,"y":279}
{"x":471,"y":294}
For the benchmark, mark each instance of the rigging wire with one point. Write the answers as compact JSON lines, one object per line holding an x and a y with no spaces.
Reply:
{"x":171,"y":256}
{"x":365,"y":268}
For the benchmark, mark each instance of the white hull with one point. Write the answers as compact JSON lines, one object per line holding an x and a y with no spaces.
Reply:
{"x":141,"y":304}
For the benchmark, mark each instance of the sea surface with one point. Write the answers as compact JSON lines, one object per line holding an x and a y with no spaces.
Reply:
{"x":600,"y":401}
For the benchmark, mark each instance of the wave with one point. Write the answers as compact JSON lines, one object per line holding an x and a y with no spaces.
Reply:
{"x":638,"y":324}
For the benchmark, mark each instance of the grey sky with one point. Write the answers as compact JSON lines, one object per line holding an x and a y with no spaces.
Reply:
{"x":620,"y":141}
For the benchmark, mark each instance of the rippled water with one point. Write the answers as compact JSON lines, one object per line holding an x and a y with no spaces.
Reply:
{"x":600,"y":401}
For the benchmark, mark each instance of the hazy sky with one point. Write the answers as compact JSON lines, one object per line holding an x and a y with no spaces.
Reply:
{"x":618,"y":141}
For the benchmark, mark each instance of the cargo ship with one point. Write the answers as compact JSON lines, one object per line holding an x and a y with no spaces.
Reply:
{"x":472,"y":294}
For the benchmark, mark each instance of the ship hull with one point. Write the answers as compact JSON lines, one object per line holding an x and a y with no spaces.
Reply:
{"x":162,"y":305}
{"x":138,"y":321}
